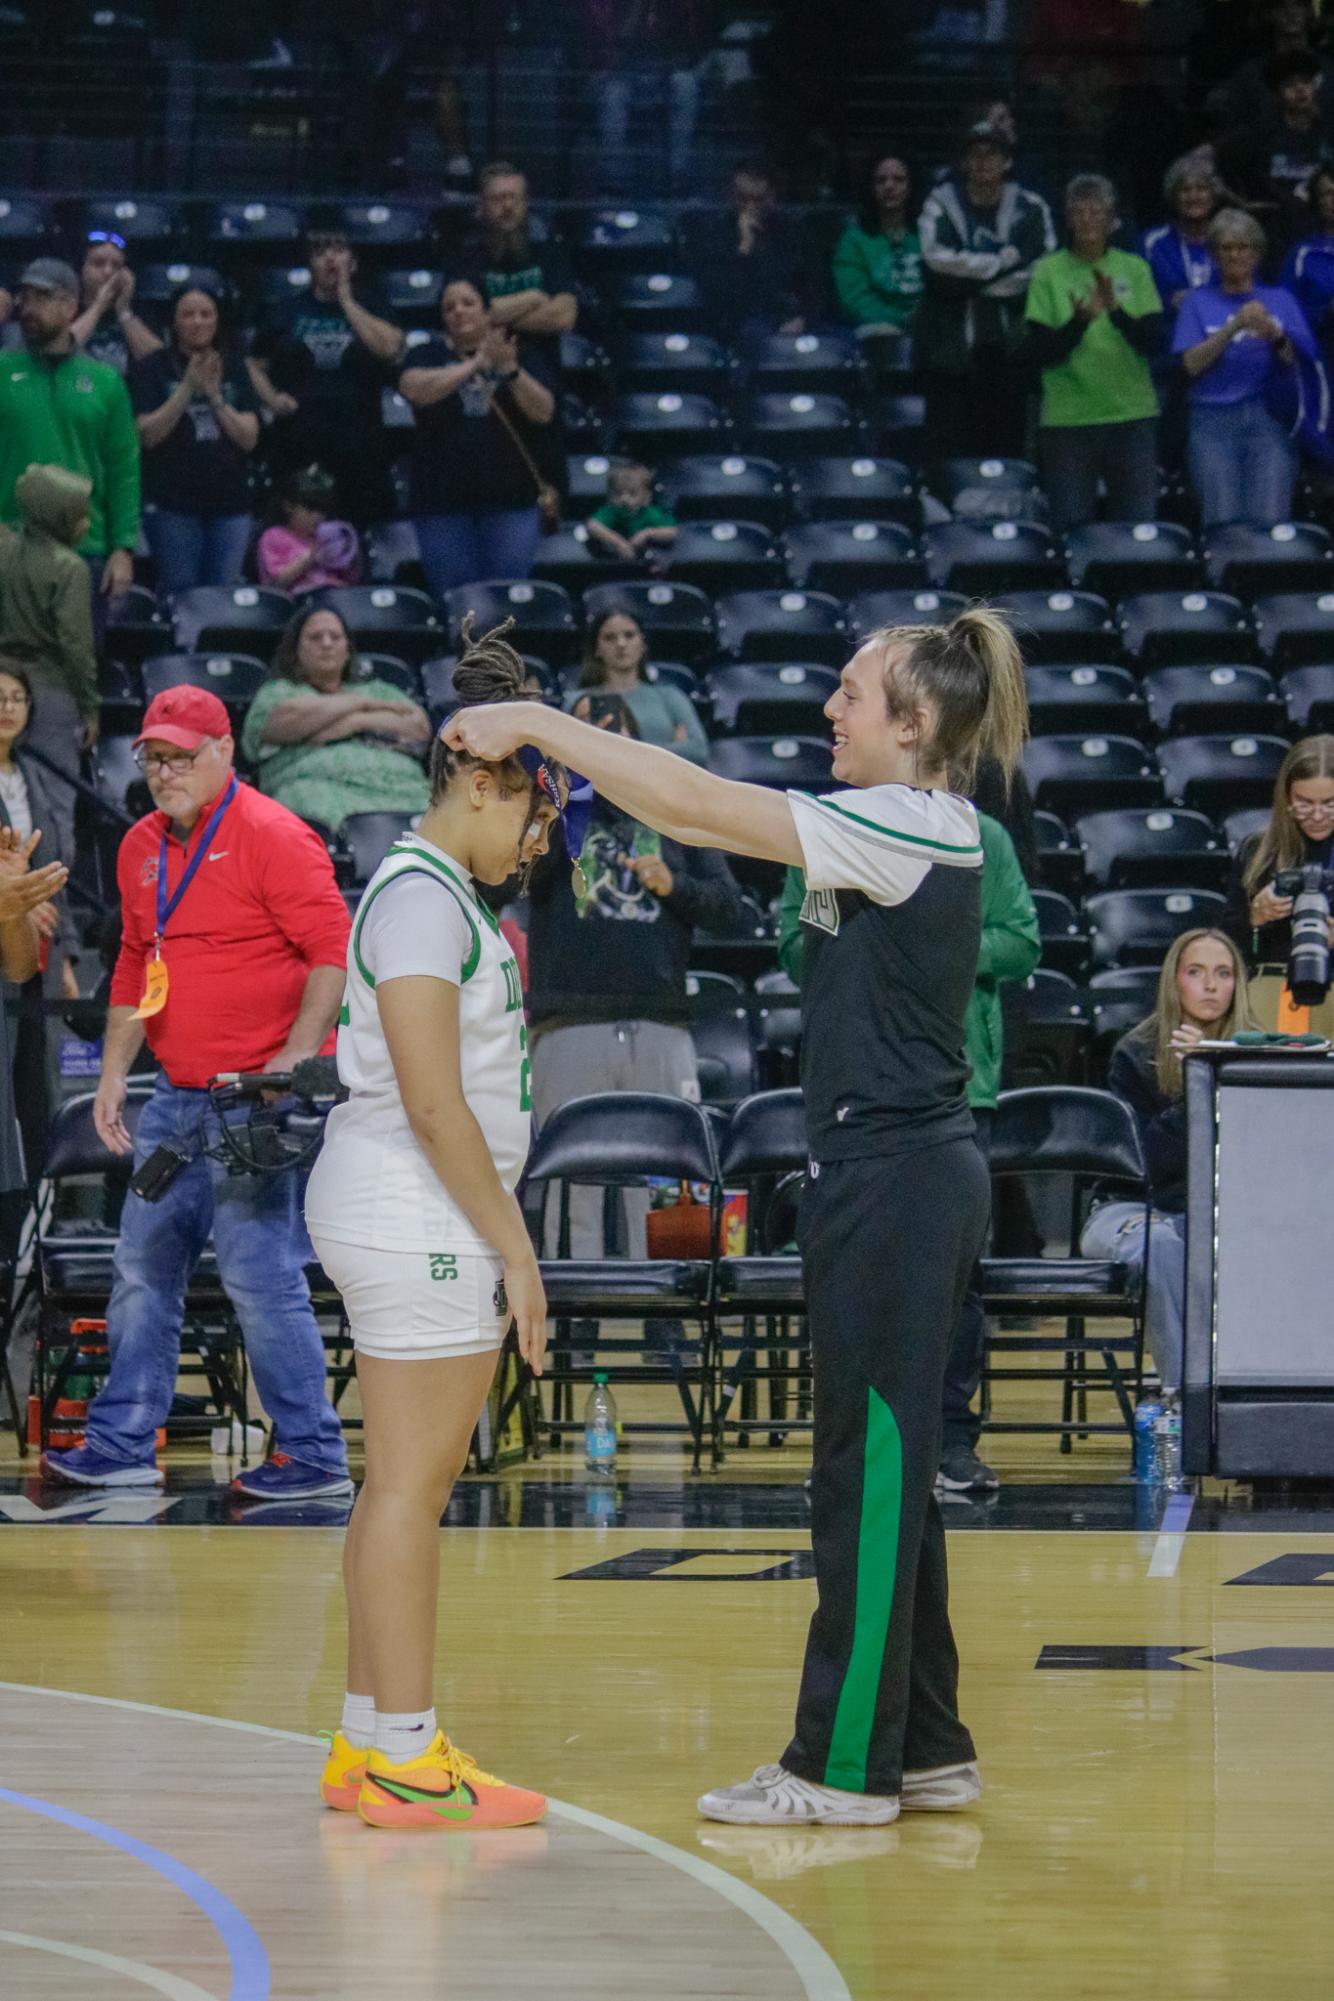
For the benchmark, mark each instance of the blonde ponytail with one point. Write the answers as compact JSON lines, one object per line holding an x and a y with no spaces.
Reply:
{"x":972,"y":673}
{"x":1005,"y":721}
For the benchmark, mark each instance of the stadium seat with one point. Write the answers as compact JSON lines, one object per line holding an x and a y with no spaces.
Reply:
{"x":584,"y":365}
{"x":618,"y":240}
{"x":401,"y":674}
{"x":544,"y":621}
{"x":1184,"y":701}
{"x":1060,"y":625}
{"x":120,"y":696}
{"x":24,"y":227}
{"x":136,"y":628}
{"x":1072,"y":774}
{"x":584,"y":424}
{"x":1252,"y":562}
{"x":983,"y":559}
{"x":777,"y":1028}
{"x":1308,"y":693}
{"x":850,"y":556}
{"x":386,"y":228}
{"x":1084,"y":699}
{"x":1059,"y":858}
{"x":117,"y":779}
{"x":900,"y":421}
{"x":1120,"y":998}
{"x":1053,"y":1044}
{"x":725,"y":1055}
{"x":1169,"y":627}
{"x":784,"y":762}
{"x":1217,"y":774}
{"x":657,"y":298}
{"x":822,"y":363}
{"x":572,"y":560}
{"x":1295,"y":627}
{"x":235,"y":678}
{"x":677,"y":618}
{"x":874,"y":609}
{"x":278,"y":284}
{"x":658,"y":362}
{"x":707,"y":488}
{"x":1137,"y":846}
{"x":1065,"y":944}
{"x":782,"y":625}
{"x":243,"y":225}
{"x":140,"y":223}
{"x":412,"y":297}
{"x":1243,"y":825}
{"x":855,"y":489}
{"x":666,"y":421}
{"x":155,"y":285}
{"x":392,"y":616}
{"x":1135,"y":927}
{"x":586,"y":481}
{"x":725,"y":555}
{"x":367,"y":838}
{"x":763,"y":698}
{"x":964,"y":475}
{"x":1121,"y":558}
{"x":794,"y":425}
{"x":392,"y":553}
{"x":235,"y":618}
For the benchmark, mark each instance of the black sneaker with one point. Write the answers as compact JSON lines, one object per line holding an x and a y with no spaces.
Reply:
{"x":960,"y":1468}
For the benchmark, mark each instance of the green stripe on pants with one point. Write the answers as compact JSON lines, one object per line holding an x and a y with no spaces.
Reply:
{"x":877,"y":1562}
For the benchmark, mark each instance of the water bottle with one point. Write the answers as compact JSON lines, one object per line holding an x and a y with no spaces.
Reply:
{"x":1167,"y":1445}
{"x":600,"y":1430}
{"x":1147,"y":1415}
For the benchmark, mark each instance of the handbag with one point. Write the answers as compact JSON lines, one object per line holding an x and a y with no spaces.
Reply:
{"x":548,"y":496}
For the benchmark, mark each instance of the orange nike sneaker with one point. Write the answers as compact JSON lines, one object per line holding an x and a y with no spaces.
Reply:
{"x":444,"y":1789}
{"x":344,"y":1770}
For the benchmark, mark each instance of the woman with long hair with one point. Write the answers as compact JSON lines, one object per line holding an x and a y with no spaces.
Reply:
{"x":616,"y":661}
{"x":878,"y":258}
{"x":1201,"y":993}
{"x":412,"y":1213}
{"x":1300,"y":833}
{"x":897,"y":1194}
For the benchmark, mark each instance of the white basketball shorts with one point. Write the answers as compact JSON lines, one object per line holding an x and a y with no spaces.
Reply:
{"x":417,"y":1306}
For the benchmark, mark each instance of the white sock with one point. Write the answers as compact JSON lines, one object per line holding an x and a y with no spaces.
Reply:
{"x":358,"y":1724}
{"x":403,"y":1738}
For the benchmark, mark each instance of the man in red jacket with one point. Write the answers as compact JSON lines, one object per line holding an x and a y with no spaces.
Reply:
{"x":233,"y":952}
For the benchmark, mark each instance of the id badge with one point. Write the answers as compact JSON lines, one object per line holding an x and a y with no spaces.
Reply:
{"x":155,"y":989}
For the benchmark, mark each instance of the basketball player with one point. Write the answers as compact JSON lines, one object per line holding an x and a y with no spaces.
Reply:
{"x":412,"y":1213}
{"x":897,"y":1194}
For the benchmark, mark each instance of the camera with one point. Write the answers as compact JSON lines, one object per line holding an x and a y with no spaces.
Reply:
{"x":1308,"y":960}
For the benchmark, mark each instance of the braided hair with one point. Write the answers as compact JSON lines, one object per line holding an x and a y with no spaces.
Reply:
{"x":487,"y":670}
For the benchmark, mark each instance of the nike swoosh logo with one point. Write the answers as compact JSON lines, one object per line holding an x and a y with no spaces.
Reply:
{"x":451,"y":1806}
{"x":221,"y":855}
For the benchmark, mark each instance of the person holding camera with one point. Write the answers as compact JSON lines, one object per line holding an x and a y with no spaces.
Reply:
{"x":1258,"y":919}
{"x":233,"y":948}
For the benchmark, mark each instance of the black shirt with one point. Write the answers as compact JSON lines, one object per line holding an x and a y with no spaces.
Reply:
{"x":1269,"y":944}
{"x":313,"y":354}
{"x":893,"y":927}
{"x":463,"y":460}
{"x":538,"y":264}
{"x":196,"y":469}
{"x":1132,"y":1074}
{"x":761,"y":290}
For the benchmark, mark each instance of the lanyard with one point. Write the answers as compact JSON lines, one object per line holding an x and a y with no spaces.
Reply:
{"x":166,"y":905}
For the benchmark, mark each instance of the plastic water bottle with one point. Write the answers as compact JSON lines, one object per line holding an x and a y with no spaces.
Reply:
{"x":600,"y":1430}
{"x":1147,"y":1415}
{"x":1167,"y":1445}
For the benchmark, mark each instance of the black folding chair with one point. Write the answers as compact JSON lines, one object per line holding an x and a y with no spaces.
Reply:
{"x":764,"y":1151}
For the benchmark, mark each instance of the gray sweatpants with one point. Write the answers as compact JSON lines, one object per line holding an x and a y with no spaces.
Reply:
{"x":607,"y":1056}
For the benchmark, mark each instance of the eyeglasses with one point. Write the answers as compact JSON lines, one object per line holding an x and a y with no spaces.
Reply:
{"x":106,"y":236}
{"x":1311,"y":809}
{"x":19,"y":701}
{"x":178,"y":762}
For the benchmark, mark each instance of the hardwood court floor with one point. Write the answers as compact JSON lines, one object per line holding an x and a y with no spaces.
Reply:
{"x":1153,"y":1825}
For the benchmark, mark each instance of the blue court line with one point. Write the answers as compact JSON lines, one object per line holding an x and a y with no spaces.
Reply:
{"x":250,"y":1962}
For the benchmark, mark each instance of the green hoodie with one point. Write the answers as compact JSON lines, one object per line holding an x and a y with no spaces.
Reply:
{"x":46,"y":590}
{"x":1010,"y":949}
{"x":76,"y":413}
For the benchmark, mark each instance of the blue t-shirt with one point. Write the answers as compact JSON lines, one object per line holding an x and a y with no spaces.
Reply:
{"x":1308,"y":273}
{"x":1177,"y":265}
{"x":1242,"y":370}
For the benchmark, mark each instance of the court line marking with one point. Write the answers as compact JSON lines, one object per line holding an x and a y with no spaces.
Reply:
{"x":808,"y":1959}
{"x":244,"y":1948}
{"x":169,"y":1984}
{"x":1171,"y":1537}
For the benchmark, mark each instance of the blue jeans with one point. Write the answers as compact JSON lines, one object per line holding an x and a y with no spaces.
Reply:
{"x":1242,"y":463}
{"x":1116,"y":1230}
{"x":192,"y":549}
{"x":475,"y":548}
{"x":261,"y":1243}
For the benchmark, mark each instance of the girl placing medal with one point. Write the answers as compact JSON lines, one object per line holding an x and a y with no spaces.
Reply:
{"x":412,"y":1213}
{"x":897,"y":1194}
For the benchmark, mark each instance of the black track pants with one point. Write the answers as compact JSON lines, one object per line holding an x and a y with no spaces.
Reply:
{"x":887,"y":1247}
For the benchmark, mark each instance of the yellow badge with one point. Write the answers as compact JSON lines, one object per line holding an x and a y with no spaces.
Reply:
{"x":155,"y":989}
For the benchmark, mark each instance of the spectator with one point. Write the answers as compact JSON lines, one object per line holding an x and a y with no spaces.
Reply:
{"x":236,"y":966}
{"x":198,"y":424}
{"x":1246,"y":102}
{"x":46,"y":626}
{"x":981,"y":236}
{"x":1300,"y":833}
{"x":616,"y":661}
{"x":878,"y":258}
{"x":23,"y":891}
{"x":57,"y":407}
{"x":1010,"y":949}
{"x":308,"y":550}
{"x":28,"y":805}
{"x":1269,"y":166}
{"x":319,"y":364}
{"x":749,"y":261}
{"x":524,"y":268}
{"x":608,"y":952}
{"x":630,"y":524}
{"x":1093,"y":318}
{"x":1233,"y":339}
{"x":1177,"y":251}
{"x":482,"y":400}
{"x":325,"y":739}
{"x":1308,"y":268}
{"x":1201,"y":992}
{"x":106,"y":288}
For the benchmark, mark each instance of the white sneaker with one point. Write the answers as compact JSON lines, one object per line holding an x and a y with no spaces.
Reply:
{"x":774,"y":1797}
{"x":940,"y":1789}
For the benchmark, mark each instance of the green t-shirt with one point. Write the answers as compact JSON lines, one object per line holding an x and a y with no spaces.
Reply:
{"x":626,"y":521}
{"x":1103,"y":381}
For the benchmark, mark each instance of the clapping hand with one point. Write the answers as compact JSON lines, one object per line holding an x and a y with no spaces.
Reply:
{"x":1185,"y":1036}
{"x":499,"y":350}
{"x":23,"y":890}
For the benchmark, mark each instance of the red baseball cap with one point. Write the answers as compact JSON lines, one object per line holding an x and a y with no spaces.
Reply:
{"x":185,"y":717}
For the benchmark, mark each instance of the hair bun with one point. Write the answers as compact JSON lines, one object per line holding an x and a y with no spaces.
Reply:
{"x":488,"y":669}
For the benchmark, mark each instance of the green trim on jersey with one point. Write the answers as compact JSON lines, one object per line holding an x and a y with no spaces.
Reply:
{"x":877,"y":1565}
{"x":973,"y":850}
{"x":404,"y":846}
{"x":446,"y":881}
